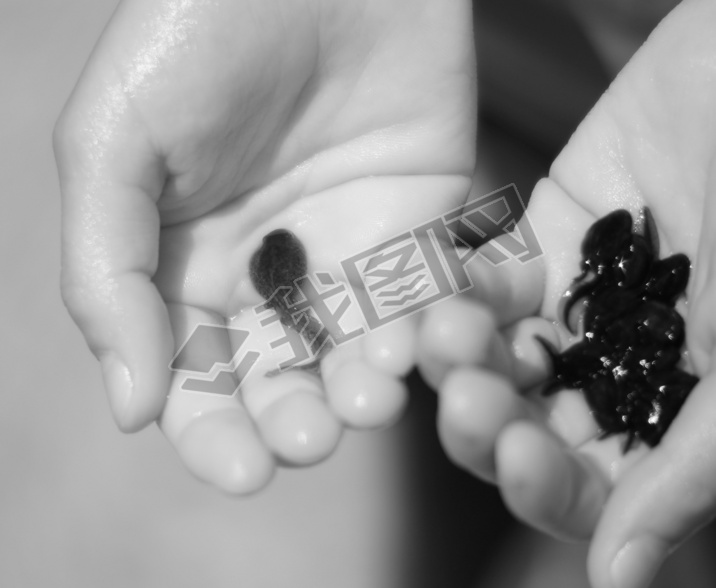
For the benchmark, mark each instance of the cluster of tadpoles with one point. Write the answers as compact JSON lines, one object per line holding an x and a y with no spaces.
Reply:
{"x":627,"y":363}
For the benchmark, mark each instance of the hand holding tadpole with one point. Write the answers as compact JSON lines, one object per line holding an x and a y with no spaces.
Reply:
{"x":196,"y":129}
{"x":275,"y":269}
{"x":650,"y":141}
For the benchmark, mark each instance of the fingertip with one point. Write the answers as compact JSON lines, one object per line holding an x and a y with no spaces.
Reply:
{"x":110,"y":245}
{"x":433,"y":371}
{"x":530,"y":365}
{"x":119,"y":385}
{"x":532,"y":476}
{"x":135,"y":402}
{"x":634,"y":566}
{"x":391,"y":349}
{"x":474,"y":407}
{"x":546,"y":485}
{"x":652,"y":510}
{"x":458,"y":331}
{"x":300,"y":429}
{"x":661,"y":499}
{"x":223,"y":449}
{"x":130,"y":334}
{"x":292,"y":416}
{"x":364,"y":397}
{"x":340,"y":355}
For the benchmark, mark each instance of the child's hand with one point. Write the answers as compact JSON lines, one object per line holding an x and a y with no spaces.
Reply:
{"x":199,"y":127}
{"x":651,"y":140}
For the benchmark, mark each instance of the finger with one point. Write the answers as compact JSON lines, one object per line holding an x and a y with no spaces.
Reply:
{"x":567,"y":415}
{"x":293,"y":417}
{"x":287,"y":405}
{"x":513,"y":289}
{"x":204,"y":419}
{"x":461,"y":331}
{"x":474,"y":406}
{"x":391,"y":348}
{"x":547,"y":485}
{"x":432,"y":370}
{"x":530,"y":365}
{"x":365,"y":397}
{"x":364,"y":377}
{"x":661,"y":500}
{"x":650,"y":138}
{"x":560,"y":223}
{"x":222,"y":448}
{"x":110,"y":229}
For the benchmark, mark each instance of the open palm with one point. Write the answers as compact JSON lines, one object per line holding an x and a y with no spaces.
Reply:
{"x":650,"y":141}
{"x":196,"y":129}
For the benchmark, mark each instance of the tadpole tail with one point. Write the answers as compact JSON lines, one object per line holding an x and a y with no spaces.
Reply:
{"x":567,"y":304}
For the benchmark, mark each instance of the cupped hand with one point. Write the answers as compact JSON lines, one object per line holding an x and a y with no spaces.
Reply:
{"x":649,"y":141}
{"x":199,"y":127}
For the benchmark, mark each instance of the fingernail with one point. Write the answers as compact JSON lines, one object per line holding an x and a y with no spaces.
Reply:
{"x":119,"y":385}
{"x":637,"y":562}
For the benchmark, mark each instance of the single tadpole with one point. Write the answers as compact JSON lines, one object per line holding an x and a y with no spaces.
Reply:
{"x":277,"y":265}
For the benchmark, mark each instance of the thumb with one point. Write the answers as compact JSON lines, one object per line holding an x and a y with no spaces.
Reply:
{"x":664,"y":499}
{"x":110,"y":241}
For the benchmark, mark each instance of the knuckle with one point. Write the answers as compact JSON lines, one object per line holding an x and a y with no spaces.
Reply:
{"x":72,"y":296}
{"x":75,"y":296}
{"x":67,"y":137}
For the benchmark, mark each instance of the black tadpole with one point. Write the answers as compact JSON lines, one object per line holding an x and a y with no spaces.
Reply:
{"x":278,"y":263}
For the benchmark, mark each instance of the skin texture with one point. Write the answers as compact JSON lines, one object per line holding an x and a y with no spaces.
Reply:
{"x":650,"y":141}
{"x":196,"y":129}
{"x":199,"y":127}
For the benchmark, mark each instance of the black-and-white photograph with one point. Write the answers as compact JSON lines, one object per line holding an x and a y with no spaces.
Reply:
{"x":358,"y":293}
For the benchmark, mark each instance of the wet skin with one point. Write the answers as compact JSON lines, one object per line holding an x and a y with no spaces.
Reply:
{"x":627,"y":362}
